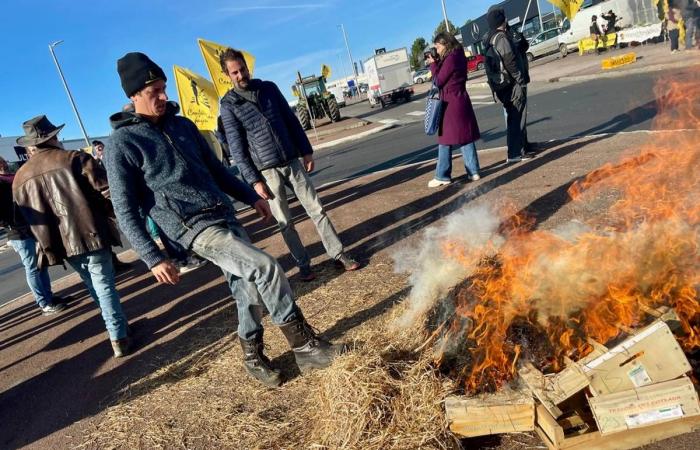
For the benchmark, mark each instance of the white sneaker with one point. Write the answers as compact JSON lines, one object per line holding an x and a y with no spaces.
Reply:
{"x":437,"y":183}
{"x":475,"y":177}
{"x":191,"y":263}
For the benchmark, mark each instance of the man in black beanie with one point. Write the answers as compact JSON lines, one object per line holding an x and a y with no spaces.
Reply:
{"x":507,"y":74}
{"x":160,"y":165}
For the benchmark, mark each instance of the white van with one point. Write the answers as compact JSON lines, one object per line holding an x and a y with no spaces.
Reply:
{"x":579,"y":28}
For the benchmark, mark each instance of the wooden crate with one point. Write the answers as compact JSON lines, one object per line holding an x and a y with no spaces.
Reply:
{"x":503,"y":412}
{"x":651,"y":355}
{"x":656,"y":403}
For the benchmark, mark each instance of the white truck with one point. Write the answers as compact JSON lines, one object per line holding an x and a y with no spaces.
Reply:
{"x":579,"y":28}
{"x":389,"y":77}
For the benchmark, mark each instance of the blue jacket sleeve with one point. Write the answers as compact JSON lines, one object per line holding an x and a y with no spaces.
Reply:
{"x":227,"y":181}
{"x":296,"y":131}
{"x":238,"y":145}
{"x":123,"y":189}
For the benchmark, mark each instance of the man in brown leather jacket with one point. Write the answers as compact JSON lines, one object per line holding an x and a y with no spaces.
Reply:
{"x":63,"y":195}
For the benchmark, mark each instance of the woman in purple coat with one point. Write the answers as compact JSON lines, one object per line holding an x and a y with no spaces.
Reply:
{"x":458,"y":127}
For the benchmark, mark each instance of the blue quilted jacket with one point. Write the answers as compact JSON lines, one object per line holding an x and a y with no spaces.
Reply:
{"x":263,"y":135}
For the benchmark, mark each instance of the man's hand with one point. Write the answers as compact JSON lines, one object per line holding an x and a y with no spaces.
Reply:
{"x":308,"y":163}
{"x":262,"y":190}
{"x":166,"y":272}
{"x":263,"y":209}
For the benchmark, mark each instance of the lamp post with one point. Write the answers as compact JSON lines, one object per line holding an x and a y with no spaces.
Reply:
{"x":70,"y":96}
{"x":444,"y":15}
{"x":352,"y":65}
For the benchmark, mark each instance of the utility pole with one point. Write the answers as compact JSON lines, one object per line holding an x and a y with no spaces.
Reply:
{"x":70,"y":96}
{"x":539,"y":14}
{"x":352,"y":65}
{"x":444,"y":15}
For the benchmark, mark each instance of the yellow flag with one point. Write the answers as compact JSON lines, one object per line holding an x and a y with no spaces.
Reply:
{"x":325,"y":71}
{"x":210,"y":53}
{"x":198,"y":99}
{"x":568,"y":7}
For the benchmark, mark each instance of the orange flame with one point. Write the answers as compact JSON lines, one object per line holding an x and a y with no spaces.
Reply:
{"x":641,"y":254}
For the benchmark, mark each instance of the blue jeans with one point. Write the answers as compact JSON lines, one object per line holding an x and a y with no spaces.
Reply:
{"x":255,"y":278}
{"x":37,"y":279}
{"x":443,"y":171}
{"x":97,"y":272}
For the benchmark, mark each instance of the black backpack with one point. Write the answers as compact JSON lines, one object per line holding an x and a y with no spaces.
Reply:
{"x":496,"y":74}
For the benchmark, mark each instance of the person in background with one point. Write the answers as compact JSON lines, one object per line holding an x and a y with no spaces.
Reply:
{"x":596,"y":33}
{"x":20,"y":238}
{"x":63,"y":196}
{"x":98,"y":148}
{"x":610,"y":20}
{"x":458,"y":128}
{"x":160,"y":165}
{"x":267,"y":142}
{"x":506,"y":71}
{"x":673,"y":25}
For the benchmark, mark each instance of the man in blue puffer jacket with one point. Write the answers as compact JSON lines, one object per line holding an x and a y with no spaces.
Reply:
{"x":266,"y":141}
{"x":160,"y":165}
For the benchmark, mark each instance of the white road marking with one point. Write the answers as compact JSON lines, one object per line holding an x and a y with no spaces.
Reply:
{"x":416,"y":113}
{"x":483,"y":103}
{"x":388,"y":121}
{"x":480,"y":96}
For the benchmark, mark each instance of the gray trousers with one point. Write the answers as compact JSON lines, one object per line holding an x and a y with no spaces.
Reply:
{"x":295,"y":177}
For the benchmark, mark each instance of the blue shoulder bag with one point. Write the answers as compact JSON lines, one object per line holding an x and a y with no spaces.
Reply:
{"x":433,"y":111}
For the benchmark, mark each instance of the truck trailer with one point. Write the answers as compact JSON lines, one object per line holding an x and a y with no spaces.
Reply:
{"x":389,"y":77}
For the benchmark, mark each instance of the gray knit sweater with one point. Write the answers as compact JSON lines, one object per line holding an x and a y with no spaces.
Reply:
{"x":167,"y":171}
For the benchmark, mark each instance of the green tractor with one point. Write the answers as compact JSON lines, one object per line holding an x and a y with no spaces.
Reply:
{"x":321,"y":102}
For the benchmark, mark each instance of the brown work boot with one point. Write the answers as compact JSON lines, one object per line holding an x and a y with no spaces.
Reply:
{"x":310,"y":351}
{"x":257,"y":364}
{"x":121,"y":347}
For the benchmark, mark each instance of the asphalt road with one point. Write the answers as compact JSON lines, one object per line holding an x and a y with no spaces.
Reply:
{"x":556,"y":111}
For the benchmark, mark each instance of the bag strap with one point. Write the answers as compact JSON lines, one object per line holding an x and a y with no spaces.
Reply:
{"x":434,"y":90}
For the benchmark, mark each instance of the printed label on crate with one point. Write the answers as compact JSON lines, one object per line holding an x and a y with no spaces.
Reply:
{"x":643,"y":418}
{"x":639,"y":376}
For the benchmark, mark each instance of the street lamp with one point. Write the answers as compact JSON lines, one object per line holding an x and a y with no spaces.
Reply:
{"x":352,"y":64}
{"x":444,"y":14}
{"x":70,"y":96}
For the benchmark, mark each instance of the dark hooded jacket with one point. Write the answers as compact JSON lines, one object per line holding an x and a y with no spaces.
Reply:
{"x":261,"y":130}
{"x":169,"y":172}
{"x":10,"y":216}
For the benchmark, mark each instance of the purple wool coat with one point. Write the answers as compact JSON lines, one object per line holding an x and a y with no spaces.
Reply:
{"x":458,"y":125}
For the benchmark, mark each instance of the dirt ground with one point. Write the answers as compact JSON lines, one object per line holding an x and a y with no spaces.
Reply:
{"x":185,"y":387}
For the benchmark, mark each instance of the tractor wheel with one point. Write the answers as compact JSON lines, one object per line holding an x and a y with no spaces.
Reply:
{"x":304,"y":119}
{"x":333,"y":110}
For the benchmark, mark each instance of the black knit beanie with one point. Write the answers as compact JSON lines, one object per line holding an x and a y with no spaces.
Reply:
{"x":137,"y":71}
{"x":495,"y":18}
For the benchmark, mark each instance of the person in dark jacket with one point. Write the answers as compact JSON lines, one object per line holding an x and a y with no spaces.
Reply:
{"x":63,"y":196}
{"x":266,"y":141}
{"x":596,"y":33}
{"x":20,"y":238}
{"x":458,"y":127}
{"x":160,"y":165}
{"x":513,"y":94}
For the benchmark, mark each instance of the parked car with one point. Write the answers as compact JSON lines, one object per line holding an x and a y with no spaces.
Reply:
{"x":422,"y":76}
{"x":475,"y":63}
{"x":544,"y":43}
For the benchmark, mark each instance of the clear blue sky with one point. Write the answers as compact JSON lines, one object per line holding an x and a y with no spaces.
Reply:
{"x":284,"y":35}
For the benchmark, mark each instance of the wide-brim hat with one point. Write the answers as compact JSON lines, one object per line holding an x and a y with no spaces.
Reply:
{"x":37,"y":131}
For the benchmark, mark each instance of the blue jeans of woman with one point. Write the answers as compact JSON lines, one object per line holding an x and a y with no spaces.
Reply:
{"x":97,"y":272}
{"x":37,"y":279}
{"x":443,"y":171}
{"x":255,"y":278}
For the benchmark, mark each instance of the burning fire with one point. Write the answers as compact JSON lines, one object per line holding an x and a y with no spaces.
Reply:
{"x":537,"y":295}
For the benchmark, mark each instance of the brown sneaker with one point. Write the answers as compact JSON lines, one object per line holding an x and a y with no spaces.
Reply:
{"x":121,"y":347}
{"x":346,"y":262}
